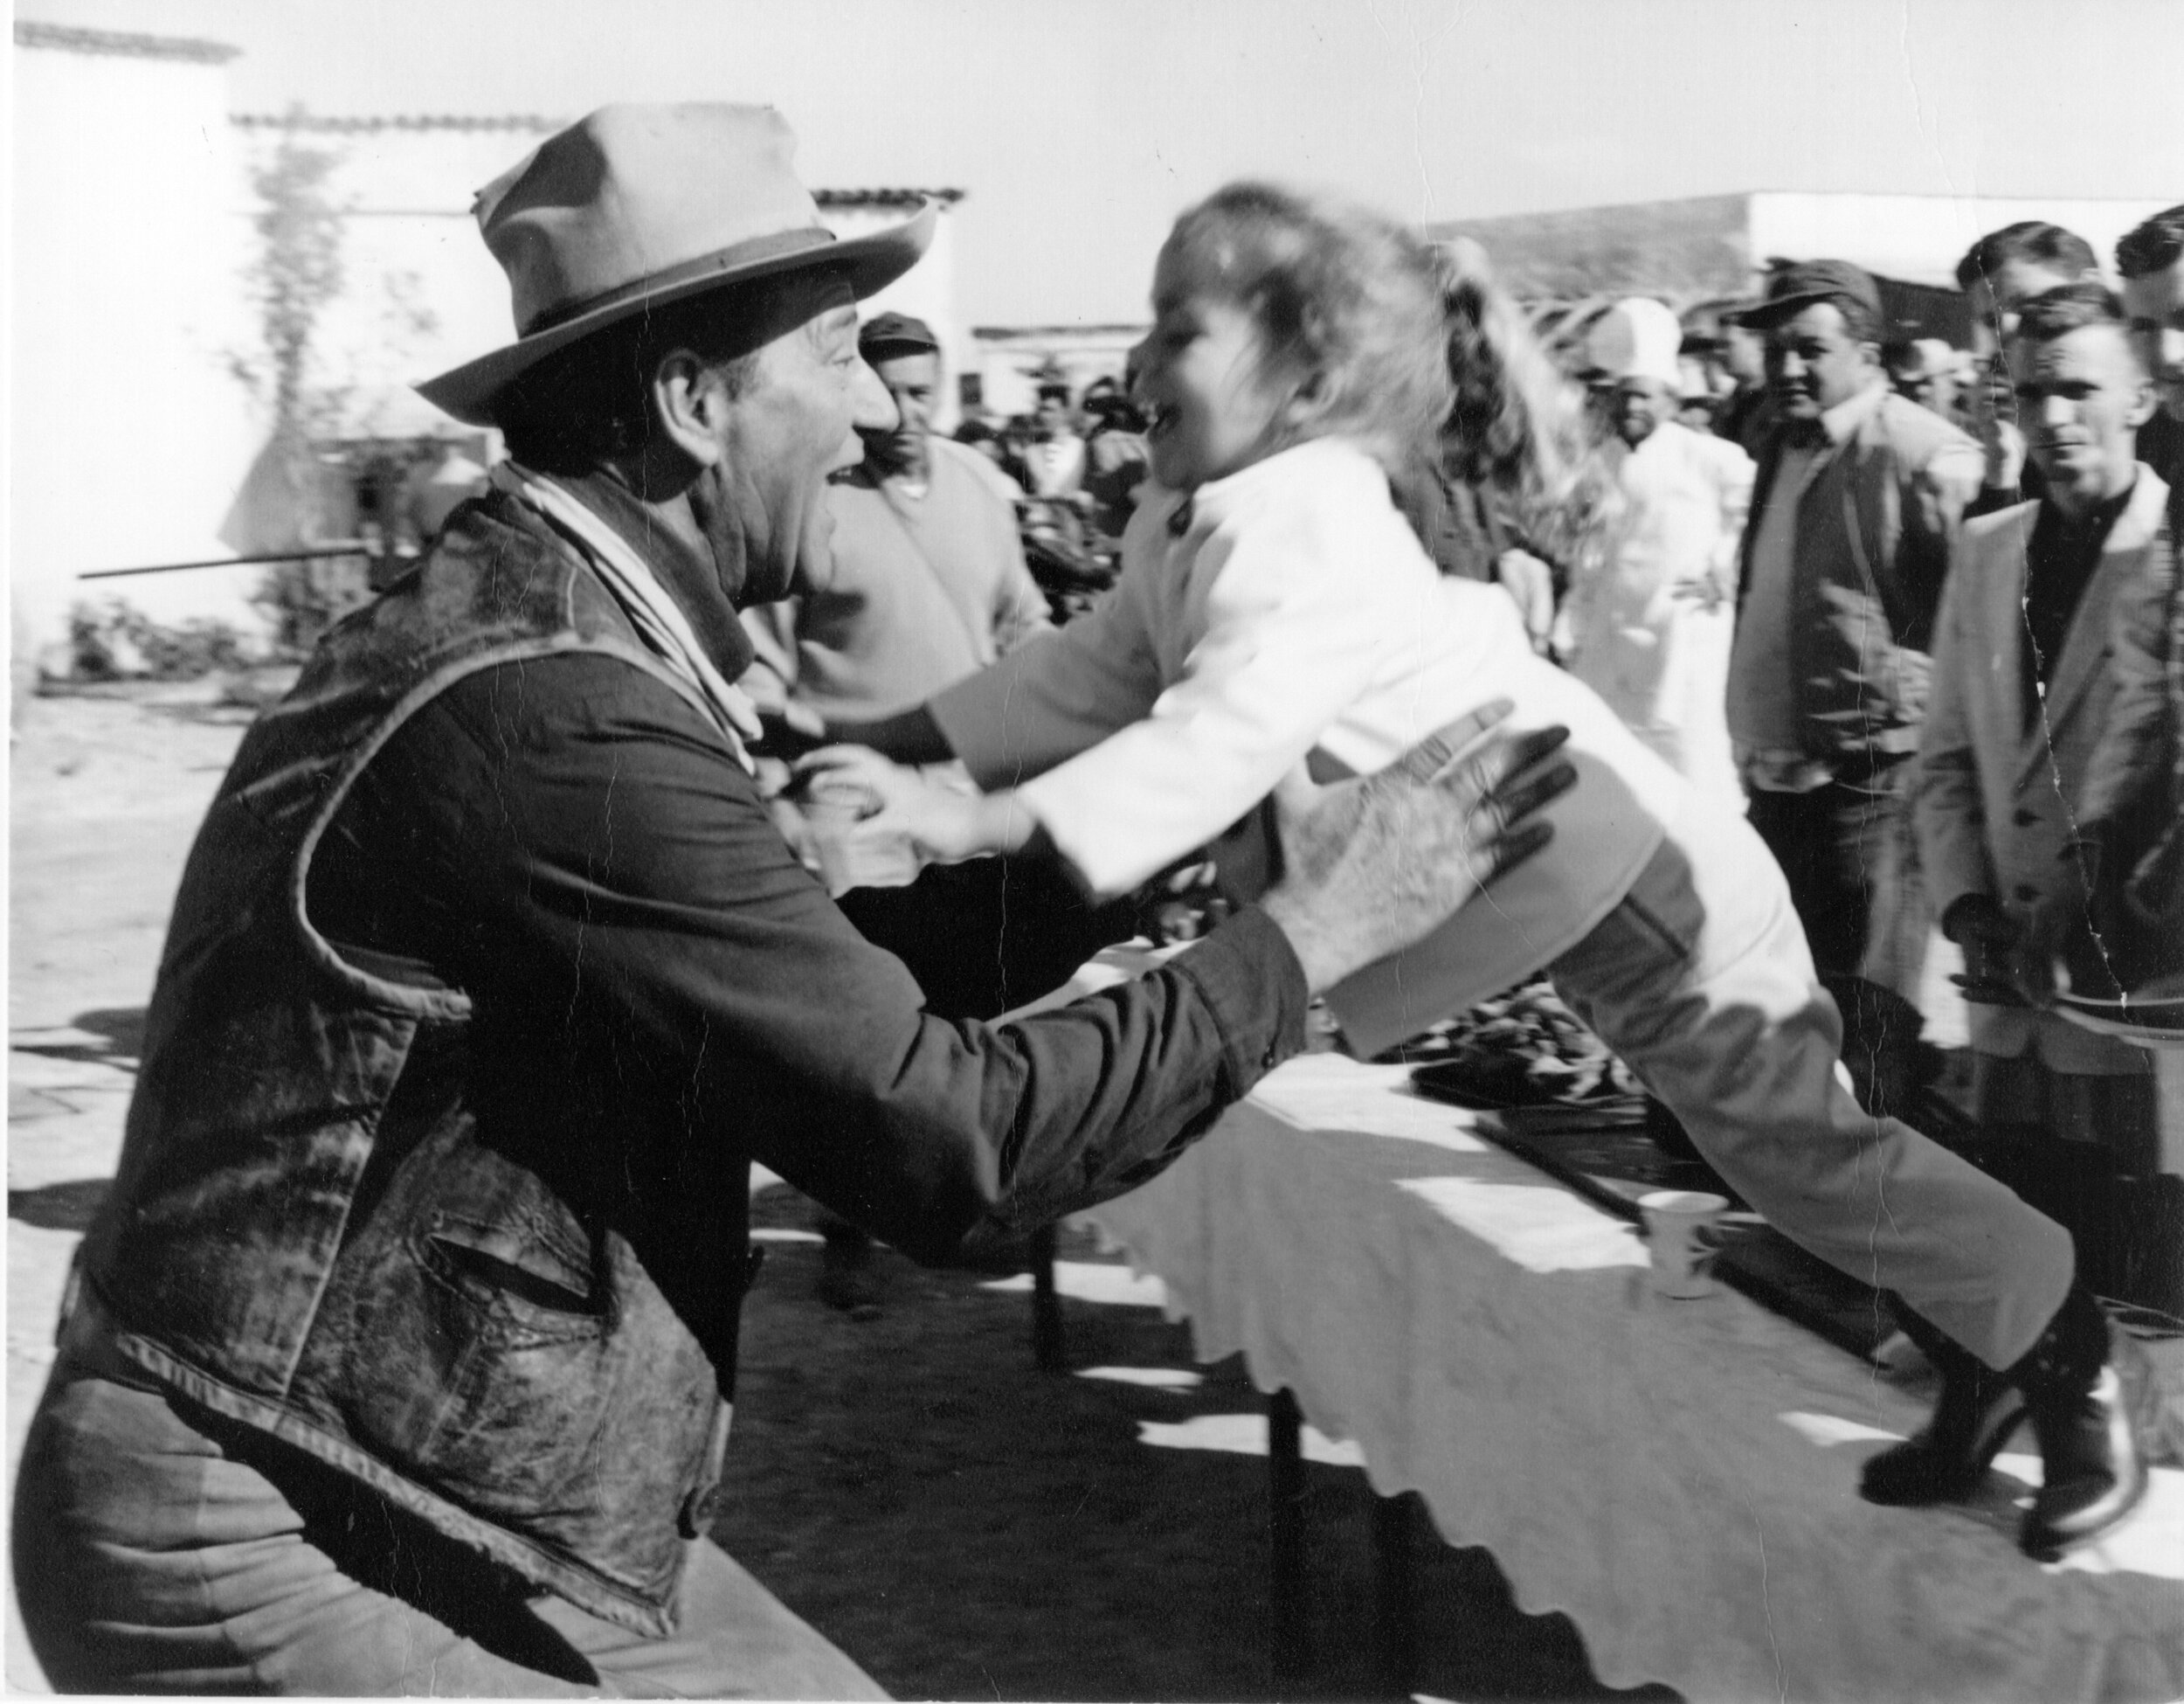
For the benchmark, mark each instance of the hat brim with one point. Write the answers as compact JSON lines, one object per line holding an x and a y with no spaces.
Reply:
{"x":868,"y":264}
{"x":1774,"y":312}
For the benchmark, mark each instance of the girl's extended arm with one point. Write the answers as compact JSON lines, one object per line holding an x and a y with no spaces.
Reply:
{"x":910,"y":736}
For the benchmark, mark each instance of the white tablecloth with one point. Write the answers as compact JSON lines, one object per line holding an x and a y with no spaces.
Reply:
{"x":1677,"y":1476}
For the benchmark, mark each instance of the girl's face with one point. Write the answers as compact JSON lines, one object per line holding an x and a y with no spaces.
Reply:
{"x":1203,"y":383}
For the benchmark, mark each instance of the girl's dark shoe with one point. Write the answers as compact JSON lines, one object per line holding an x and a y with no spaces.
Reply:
{"x":2081,"y":1381}
{"x":1945,"y":1462}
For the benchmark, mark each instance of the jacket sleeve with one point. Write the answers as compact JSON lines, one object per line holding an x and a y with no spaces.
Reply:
{"x":1939,"y":489}
{"x":2138,"y":747}
{"x":1947,"y":806}
{"x":1296,"y":626}
{"x":1734,"y":472}
{"x":1061,"y":691}
{"x":1020,"y":607}
{"x":636,"y":936}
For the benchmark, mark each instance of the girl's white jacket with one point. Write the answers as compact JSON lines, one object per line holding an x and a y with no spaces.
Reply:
{"x":1287,"y":615}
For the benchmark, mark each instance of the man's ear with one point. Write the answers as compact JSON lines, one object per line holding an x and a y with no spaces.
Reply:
{"x":686,"y":396}
{"x":2144,"y":399}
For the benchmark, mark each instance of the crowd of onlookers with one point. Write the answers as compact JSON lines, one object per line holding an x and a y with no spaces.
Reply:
{"x":1912,"y":605}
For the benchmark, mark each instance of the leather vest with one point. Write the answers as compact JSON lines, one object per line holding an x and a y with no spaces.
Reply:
{"x":309,"y":1234}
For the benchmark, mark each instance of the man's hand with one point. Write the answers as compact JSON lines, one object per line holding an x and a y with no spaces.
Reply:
{"x":943,"y":824}
{"x":2003,"y":964}
{"x":1370,"y":867}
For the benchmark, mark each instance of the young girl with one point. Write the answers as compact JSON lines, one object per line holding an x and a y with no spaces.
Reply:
{"x":1277,"y":610}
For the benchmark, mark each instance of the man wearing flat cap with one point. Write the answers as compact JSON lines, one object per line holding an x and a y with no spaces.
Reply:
{"x":925,"y":583}
{"x":398,"y":1357}
{"x":1855,"y":509}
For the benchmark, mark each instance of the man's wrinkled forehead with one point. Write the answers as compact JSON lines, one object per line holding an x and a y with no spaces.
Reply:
{"x":2101,"y":352}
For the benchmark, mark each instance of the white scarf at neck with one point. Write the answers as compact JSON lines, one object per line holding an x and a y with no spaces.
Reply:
{"x":659,"y":621}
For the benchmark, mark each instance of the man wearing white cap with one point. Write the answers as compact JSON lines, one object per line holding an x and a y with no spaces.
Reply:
{"x":400,"y":1354}
{"x":1651,"y":627}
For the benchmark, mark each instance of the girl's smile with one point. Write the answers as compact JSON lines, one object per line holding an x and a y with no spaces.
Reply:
{"x":1203,"y":383}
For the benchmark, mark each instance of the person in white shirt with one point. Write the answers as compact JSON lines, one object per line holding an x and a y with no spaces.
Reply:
{"x":1054,"y":459}
{"x":1278,"y":625}
{"x":1650,"y":625}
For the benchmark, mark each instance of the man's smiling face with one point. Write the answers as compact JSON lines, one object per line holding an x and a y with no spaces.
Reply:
{"x":793,"y":421}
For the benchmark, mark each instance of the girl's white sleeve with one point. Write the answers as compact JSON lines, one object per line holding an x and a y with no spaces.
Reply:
{"x":1299,"y":609}
{"x":1063,"y":690}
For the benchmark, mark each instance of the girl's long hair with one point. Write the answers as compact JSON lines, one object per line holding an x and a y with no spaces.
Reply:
{"x":1518,"y":431}
{"x":1413,"y":353}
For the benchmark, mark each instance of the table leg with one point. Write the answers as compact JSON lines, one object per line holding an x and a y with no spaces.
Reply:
{"x":1047,"y":1349}
{"x":1396,"y":1629}
{"x":1285,"y":1531}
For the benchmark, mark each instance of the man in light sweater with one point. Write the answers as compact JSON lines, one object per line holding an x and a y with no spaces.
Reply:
{"x":927,"y":584}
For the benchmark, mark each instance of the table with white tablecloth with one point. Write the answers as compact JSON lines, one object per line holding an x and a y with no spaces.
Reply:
{"x":1679,"y":1477}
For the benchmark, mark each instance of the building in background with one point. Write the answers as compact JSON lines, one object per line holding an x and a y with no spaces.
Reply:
{"x":137,"y":276}
{"x":1702,"y":246}
{"x":421,"y":293}
{"x":1012,"y":359}
{"x":129,"y":434}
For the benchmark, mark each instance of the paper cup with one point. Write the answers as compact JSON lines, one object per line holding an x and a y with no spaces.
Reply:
{"x":1683,"y":1229}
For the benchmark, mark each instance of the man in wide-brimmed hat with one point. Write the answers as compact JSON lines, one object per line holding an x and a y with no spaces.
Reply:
{"x":401,"y":1349}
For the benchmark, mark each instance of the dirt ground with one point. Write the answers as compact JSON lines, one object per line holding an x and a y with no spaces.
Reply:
{"x":962,"y":1525}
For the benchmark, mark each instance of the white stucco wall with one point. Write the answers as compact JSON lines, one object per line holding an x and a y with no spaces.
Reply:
{"x":410,"y":244}
{"x":129,"y":436}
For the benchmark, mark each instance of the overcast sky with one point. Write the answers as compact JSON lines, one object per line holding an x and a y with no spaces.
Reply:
{"x":1080,"y":129}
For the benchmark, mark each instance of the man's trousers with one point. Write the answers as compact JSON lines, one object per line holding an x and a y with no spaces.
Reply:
{"x":1847,"y":852}
{"x":157,"y":1549}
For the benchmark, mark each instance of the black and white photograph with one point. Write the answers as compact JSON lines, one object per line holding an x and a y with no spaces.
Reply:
{"x":1190,"y":850}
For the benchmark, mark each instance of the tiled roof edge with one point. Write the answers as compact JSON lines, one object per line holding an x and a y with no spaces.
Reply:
{"x":68,"y":39}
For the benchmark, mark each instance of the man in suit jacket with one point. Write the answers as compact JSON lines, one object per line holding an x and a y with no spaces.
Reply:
{"x":2022,"y":691}
{"x":1999,"y":274}
{"x":1857,"y":502}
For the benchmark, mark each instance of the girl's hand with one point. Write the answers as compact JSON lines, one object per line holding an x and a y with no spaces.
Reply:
{"x":1531,"y":583}
{"x":943,"y":824}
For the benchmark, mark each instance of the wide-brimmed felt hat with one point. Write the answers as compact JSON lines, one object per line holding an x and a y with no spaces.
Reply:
{"x":637,"y":206}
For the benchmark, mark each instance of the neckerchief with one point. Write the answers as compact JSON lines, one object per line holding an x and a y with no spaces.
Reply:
{"x":664,"y":628}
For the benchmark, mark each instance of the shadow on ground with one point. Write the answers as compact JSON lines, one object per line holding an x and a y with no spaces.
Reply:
{"x":59,"y":1205}
{"x":966,"y":1527}
{"x":119,"y":1030}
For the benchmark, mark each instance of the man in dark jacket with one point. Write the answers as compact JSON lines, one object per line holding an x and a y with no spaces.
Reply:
{"x":401,"y":1353}
{"x":1854,"y":511}
{"x":2151,"y":259}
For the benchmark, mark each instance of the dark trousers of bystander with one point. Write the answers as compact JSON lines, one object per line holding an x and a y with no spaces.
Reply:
{"x":1846,"y":848}
{"x":981,"y":937}
{"x":2085,"y":1150}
